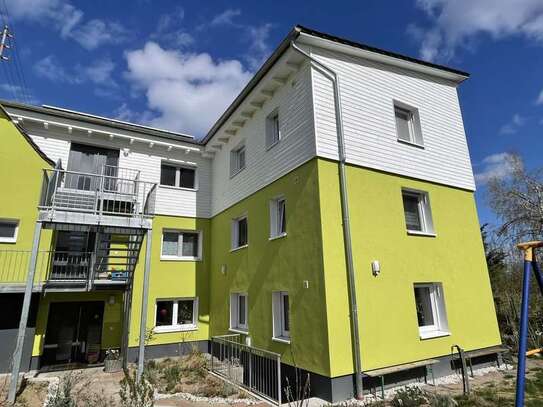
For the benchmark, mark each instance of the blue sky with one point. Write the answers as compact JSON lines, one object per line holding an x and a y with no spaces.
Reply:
{"x":178,"y":64}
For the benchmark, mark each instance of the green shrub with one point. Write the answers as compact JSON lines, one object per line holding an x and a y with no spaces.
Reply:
{"x":134,"y":392}
{"x":409,"y":397}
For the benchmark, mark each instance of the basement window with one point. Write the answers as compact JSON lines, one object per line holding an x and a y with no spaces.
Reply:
{"x":281,"y":316}
{"x":181,"y":245}
{"x":278,"y":222}
{"x":176,"y":315}
{"x":9,"y":229}
{"x":240,"y":233}
{"x":177,"y":176}
{"x":417,"y":211}
{"x":430,"y":307}
{"x":239,"y":312}
{"x":273,"y":131}
{"x":407,"y":124}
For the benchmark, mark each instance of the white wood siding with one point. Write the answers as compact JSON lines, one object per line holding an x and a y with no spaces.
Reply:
{"x":55,"y":143}
{"x":367,"y":93}
{"x":264,"y":166}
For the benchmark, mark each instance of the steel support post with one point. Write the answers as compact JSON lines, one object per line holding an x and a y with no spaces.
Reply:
{"x":144,"y":301}
{"x":18,"y":354}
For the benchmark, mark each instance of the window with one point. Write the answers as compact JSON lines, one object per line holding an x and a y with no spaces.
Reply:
{"x":431,"y":315}
{"x":176,"y":315}
{"x":240,"y":237}
{"x":176,"y":176}
{"x":237,"y":160}
{"x":181,"y":245}
{"x":281,"y":315}
{"x":273,"y":131}
{"x":9,"y":228}
{"x":407,"y":124}
{"x":418,"y":215}
{"x":278,"y":222}
{"x":239,"y":311}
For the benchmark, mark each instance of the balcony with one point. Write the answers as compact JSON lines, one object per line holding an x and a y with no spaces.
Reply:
{"x":116,"y":197}
{"x":57,"y":270}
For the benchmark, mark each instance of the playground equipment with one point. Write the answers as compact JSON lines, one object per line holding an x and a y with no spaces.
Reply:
{"x":530,"y":262}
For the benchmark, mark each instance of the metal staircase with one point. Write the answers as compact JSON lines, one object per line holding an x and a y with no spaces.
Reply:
{"x":117,"y":252}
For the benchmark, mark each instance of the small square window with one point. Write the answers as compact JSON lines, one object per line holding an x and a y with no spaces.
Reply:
{"x":239,"y":311}
{"x":176,"y":315}
{"x":237,"y":160}
{"x":278,"y":221}
{"x":281,"y":315}
{"x":273,"y":130}
{"x":181,"y":245}
{"x":407,"y":124}
{"x":9,"y":228}
{"x":176,"y":176}
{"x":430,"y":307}
{"x":240,"y":232}
{"x":417,"y":211}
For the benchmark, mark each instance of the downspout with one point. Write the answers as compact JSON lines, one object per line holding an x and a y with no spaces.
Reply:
{"x":332,"y":75}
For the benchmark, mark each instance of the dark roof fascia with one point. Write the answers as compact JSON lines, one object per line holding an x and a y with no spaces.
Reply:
{"x":82,"y":117}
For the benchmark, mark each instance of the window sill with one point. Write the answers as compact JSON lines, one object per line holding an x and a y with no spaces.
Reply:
{"x":410,"y":143}
{"x":419,"y":233}
{"x":281,"y":339}
{"x":8,"y":240}
{"x":278,"y":236}
{"x":268,"y":148}
{"x":178,"y":188}
{"x":174,"y":328}
{"x":232,"y":175}
{"x":239,"y":331}
{"x":433,"y":334}
{"x":173,"y":258}
{"x":235,"y":249}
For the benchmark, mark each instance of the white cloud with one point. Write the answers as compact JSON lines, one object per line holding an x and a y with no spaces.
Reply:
{"x":169,"y":30}
{"x":99,"y":73}
{"x":68,"y":21}
{"x":457,"y":22}
{"x":499,"y":165}
{"x":225,"y":18}
{"x":539,"y":100}
{"x":189,"y":91}
{"x":513,"y":126}
{"x":259,"y":48}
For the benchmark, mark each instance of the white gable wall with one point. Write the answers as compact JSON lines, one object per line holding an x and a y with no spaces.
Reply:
{"x":367,"y":93}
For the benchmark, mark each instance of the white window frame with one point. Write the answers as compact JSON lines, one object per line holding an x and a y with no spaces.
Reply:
{"x":425,"y":212}
{"x":235,"y":233}
{"x":280,"y":334}
{"x":10,"y":221}
{"x":439,"y":313}
{"x":177,"y":327}
{"x":178,"y":168}
{"x":235,"y":324}
{"x":235,"y":165}
{"x":273,"y":129}
{"x":180,"y":233}
{"x":276,"y":217}
{"x":413,"y":124}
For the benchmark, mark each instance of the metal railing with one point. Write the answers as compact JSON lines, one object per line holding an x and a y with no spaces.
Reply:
{"x":255,"y":369}
{"x":56,"y":266}
{"x":114,"y":191}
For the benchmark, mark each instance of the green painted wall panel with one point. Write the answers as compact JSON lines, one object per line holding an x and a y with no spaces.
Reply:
{"x":282,"y":264}
{"x":387,"y":314}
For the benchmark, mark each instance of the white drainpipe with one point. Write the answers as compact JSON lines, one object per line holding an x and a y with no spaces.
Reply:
{"x":332,"y":75}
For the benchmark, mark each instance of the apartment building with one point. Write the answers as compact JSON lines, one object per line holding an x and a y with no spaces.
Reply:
{"x":326,"y":222}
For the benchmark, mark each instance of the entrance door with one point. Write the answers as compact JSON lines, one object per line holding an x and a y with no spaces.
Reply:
{"x":73,"y":333}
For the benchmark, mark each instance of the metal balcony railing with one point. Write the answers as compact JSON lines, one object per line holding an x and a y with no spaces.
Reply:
{"x":58,"y":266}
{"x":115,"y":191}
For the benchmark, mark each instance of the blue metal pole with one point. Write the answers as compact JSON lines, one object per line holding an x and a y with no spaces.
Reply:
{"x":523,"y":336}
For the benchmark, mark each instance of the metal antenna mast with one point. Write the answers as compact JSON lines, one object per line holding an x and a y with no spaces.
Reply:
{"x":4,"y":43}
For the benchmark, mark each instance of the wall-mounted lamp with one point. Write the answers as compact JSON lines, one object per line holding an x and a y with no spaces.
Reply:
{"x":223,"y":269}
{"x":306,"y":283}
{"x":126,"y":151}
{"x":111,"y":300}
{"x":375,"y":267}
